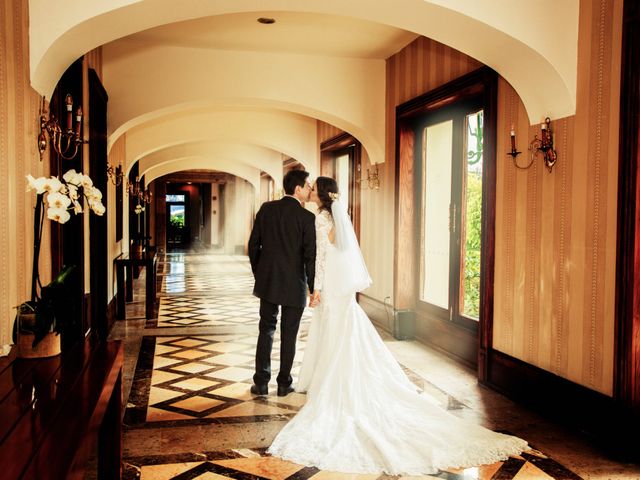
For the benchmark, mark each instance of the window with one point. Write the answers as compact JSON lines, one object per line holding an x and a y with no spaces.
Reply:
{"x":449,"y":152}
{"x":175,"y":198}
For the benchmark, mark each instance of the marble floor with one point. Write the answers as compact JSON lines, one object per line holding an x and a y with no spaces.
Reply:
{"x":190,"y":415}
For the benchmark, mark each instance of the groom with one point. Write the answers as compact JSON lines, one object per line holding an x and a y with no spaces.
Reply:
{"x":282,"y":251}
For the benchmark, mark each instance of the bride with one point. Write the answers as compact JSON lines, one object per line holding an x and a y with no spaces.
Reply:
{"x":363,"y":415}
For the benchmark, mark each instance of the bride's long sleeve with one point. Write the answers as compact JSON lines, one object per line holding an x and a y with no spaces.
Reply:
{"x":324,"y":223}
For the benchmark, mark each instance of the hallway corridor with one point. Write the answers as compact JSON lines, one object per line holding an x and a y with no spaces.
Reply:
{"x":190,"y":415}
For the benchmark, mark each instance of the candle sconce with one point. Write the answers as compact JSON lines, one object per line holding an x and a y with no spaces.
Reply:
{"x":543,"y":144}
{"x":115,"y":174}
{"x":65,"y":142}
{"x":134,"y":190}
{"x":373,"y":179}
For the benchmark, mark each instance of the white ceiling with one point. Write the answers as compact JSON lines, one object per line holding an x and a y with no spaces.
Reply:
{"x":293,"y":32}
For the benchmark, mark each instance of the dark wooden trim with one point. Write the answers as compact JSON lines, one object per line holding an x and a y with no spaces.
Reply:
{"x":380,"y":313}
{"x":452,"y":339}
{"x":338,"y":142}
{"x":481,"y":83}
{"x":466,"y":86}
{"x":67,"y":240}
{"x":487,"y":267}
{"x":111,"y":313}
{"x":345,"y":143}
{"x":627,"y":321}
{"x":565,"y":402}
{"x":98,"y":272}
{"x":196,"y":176}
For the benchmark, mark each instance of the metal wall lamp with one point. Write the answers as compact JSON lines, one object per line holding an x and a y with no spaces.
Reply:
{"x":543,"y":145}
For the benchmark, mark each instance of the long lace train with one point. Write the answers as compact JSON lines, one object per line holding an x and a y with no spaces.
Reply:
{"x":363,"y":415}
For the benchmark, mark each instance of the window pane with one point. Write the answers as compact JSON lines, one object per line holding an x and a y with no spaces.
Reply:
{"x":176,"y":216}
{"x":472,"y":217}
{"x":342,"y":177}
{"x":175,"y":198}
{"x":437,"y":154}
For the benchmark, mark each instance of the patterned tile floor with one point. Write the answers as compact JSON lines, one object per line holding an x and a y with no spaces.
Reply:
{"x":190,"y":414}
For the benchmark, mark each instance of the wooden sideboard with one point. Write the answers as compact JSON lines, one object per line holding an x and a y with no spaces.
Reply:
{"x":54,"y":411}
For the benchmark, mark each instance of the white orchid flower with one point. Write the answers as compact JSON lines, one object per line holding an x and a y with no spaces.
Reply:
{"x":86,"y":182}
{"x":67,"y":177}
{"x":98,"y":208}
{"x":36,"y":184}
{"x":73,"y":191}
{"x":58,"y":200}
{"x":60,"y":215}
{"x":94,"y":192}
{"x":77,"y":208}
{"x":73,"y":177}
{"x":52,"y":184}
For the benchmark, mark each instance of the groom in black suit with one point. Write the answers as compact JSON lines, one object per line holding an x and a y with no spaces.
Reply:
{"x":282,"y":251}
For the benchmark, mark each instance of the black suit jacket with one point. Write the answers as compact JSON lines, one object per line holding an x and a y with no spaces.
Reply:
{"x":282,"y":251}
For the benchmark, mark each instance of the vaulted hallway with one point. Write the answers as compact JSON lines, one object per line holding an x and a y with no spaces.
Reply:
{"x":190,"y":414}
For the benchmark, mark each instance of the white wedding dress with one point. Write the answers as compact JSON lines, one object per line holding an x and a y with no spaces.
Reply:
{"x":363,"y":415}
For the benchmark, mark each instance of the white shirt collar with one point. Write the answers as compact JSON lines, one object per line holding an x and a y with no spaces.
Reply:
{"x":287,"y":195}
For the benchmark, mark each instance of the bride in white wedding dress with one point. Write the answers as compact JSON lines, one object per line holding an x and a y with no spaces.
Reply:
{"x":363,"y":415}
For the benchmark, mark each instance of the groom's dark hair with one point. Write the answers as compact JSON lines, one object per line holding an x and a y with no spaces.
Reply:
{"x":293,"y":179}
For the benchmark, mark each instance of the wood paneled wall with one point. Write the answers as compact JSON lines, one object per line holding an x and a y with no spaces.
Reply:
{"x":19,"y":105}
{"x":555,"y":232}
{"x":326,"y":131}
{"x":420,"y":67}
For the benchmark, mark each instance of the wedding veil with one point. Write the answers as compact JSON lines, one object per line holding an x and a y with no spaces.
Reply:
{"x":352,"y":272}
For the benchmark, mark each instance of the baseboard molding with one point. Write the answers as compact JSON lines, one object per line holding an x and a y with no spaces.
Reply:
{"x":453,"y":340}
{"x":566,"y":402}
{"x":380,"y":314}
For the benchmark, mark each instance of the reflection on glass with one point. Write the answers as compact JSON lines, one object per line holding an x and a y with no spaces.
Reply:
{"x":176,"y":215}
{"x":472,"y":215}
{"x":342,"y":177}
{"x":175,"y":198}
{"x":437,"y":145}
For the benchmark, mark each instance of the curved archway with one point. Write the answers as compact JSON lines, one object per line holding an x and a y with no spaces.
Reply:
{"x":525,"y":51}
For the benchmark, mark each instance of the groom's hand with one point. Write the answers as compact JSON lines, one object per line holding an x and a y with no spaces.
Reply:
{"x":314,"y":298}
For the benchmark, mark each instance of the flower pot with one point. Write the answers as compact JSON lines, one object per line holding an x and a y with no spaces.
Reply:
{"x":49,"y":346}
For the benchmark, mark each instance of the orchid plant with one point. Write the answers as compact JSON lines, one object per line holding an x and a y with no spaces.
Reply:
{"x":66,"y":195}
{"x":62,"y":197}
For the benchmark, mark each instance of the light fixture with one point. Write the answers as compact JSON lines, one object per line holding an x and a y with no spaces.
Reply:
{"x":115,"y":174}
{"x":373,"y":178}
{"x":134,"y":190}
{"x":65,"y":142}
{"x":543,"y":144}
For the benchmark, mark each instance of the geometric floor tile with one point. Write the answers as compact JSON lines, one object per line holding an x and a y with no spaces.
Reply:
{"x":251,"y":465}
{"x":185,"y":380}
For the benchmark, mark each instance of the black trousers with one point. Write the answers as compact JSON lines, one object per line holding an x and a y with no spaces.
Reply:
{"x":290,"y":322}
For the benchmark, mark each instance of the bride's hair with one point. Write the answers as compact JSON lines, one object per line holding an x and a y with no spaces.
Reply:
{"x":327,"y":190}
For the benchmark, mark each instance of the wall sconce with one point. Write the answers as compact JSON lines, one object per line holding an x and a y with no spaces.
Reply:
{"x":543,"y":144}
{"x":65,"y":142}
{"x":134,"y":190}
{"x":373,"y":178}
{"x":115,"y":174}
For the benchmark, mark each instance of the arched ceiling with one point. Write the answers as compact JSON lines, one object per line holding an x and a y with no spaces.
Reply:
{"x":275,"y":131}
{"x":207,"y":71}
{"x":253,"y":157}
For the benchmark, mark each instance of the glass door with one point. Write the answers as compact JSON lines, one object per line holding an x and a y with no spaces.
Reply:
{"x":177,"y":224}
{"x":449,"y":147}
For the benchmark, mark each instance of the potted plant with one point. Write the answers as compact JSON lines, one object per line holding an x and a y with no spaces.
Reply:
{"x":40,"y":320}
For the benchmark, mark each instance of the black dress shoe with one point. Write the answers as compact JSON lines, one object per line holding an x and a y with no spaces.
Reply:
{"x":260,"y":389}
{"x":284,"y":391}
